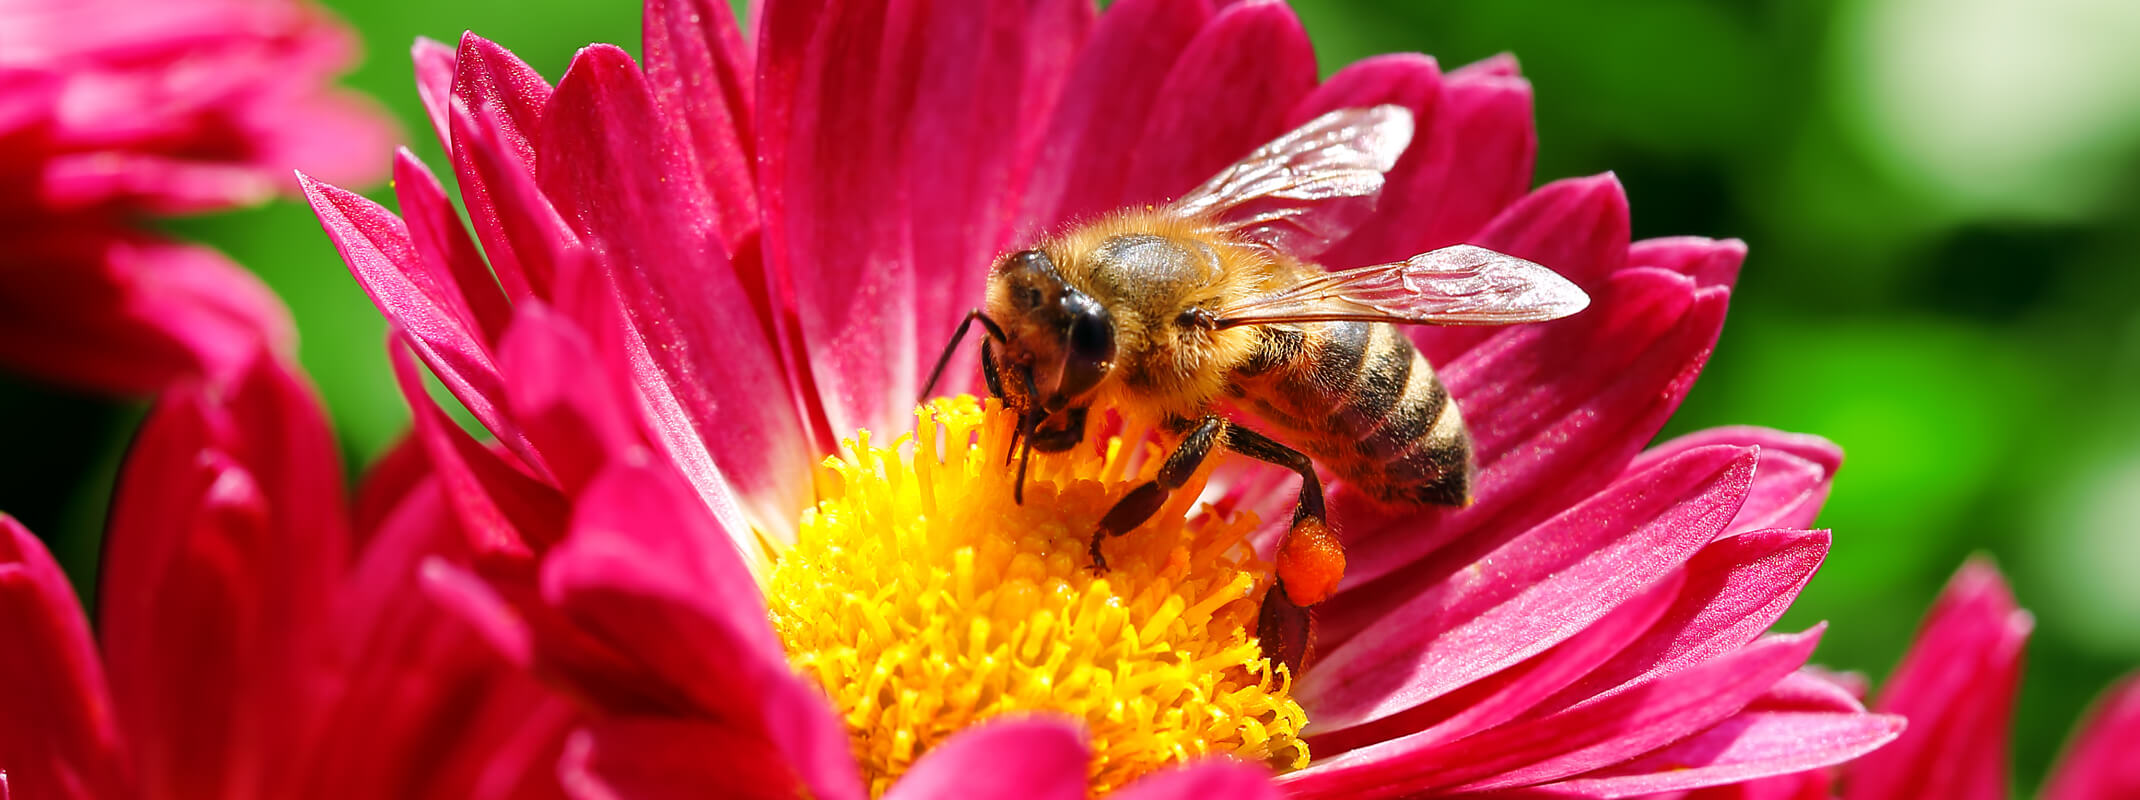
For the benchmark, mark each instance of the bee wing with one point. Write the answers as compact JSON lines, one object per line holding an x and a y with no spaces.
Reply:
{"x":1309,"y":187}
{"x":1460,"y":285}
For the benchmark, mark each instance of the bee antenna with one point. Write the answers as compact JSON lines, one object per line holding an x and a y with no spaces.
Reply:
{"x":953,"y":346}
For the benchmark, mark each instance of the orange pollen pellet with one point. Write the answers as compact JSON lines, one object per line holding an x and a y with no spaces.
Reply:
{"x":1311,"y":562}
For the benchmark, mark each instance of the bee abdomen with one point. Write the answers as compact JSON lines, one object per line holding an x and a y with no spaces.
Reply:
{"x":1363,"y":401}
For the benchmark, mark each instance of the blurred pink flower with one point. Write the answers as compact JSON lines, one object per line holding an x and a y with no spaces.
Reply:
{"x":115,"y":109}
{"x":1957,"y":686}
{"x":714,"y":265}
{"x":252,"y":644}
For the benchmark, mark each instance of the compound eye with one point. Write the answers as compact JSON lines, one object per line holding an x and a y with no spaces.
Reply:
{"x":1092,"y":335}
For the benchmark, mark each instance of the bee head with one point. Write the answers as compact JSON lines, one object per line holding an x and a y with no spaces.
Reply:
{"x":1063,"y":335}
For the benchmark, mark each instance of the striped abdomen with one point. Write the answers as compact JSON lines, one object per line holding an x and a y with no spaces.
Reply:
{"x":1360,"y":399}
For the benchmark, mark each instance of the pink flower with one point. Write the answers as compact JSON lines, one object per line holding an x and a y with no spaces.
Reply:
{"x":250,"y":643}
{"x":112,"y":109}
{"x":1957,"y":686}
{"x":716,"y":266}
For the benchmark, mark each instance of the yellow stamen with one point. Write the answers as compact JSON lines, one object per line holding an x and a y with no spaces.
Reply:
{"x":925,"y":600}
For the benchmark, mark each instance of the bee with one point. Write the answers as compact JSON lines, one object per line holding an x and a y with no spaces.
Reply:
{"x":1203,"y":314}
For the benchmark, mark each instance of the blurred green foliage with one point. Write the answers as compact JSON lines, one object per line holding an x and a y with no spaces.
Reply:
{"x":1942,"y":199}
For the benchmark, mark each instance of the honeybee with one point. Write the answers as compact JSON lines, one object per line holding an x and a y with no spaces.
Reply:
{"x":1195,"y":313}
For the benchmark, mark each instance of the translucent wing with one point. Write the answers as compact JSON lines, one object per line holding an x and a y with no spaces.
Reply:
{"x":1309,"y":187}
{"x":1460,"y":285}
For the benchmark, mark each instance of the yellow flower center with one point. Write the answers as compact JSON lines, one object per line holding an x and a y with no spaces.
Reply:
{"x":924,"y":600}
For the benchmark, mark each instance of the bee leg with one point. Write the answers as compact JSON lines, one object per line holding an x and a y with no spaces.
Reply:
{"x":1311,"y":561}
{"x":1139,"y":505}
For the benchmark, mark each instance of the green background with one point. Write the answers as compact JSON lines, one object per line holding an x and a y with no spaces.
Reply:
{"x":1940,"y":197}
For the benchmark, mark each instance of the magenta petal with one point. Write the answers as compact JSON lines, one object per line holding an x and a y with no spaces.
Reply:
{"x":834,"y":181}
{"x":115,"y":310}
{"x":577,"y":424}
{"x":227,"y":538}
{"x":1737,"y":588}
{"x":1470,"y":159}
{"x":1710,"y":262}
{"x":712,"y":382}
{"x":1746,"y":747}
{"x":654,"y":758}
{"x":701,"y":76}
{"x":60,"y":739}
{"x":1497,"y":698}
{"x":2098,"y":763}
{"x":1809,"y":689}
{"x":444,"y":249}
{"x":1083,"y":161}
{"x":646,"y":565}
{"x":1554,"y":411}
{"x":497,"y":103}
{"x":1587,"y":737}
{"x":1035,"y":759}
{"x":1551,"y":582}
{"x":385,"y":261}
{"x":501,"y":509}
{"x":1228,"y":93}
{"x":435,"y":65}
{"x":1956,"y":686}
{"x":1203,"y":780}
{"x":975,"y":121}
{"x":1790,"y":483}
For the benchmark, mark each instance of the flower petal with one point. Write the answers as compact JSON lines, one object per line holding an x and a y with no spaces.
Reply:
{"x":439,"y":323}
{"x":444,"y":249}
{"x":646,"y":566}
{"x":2098,"y":763}
{"x":1034,"y":759}
{"x":502,"y":510}
{"x":1746,"y":747}
{"x":975,"y":122}
{"x":1203,"y":780}
{"x":714,"y":386}
{"x":1710,"y":262}
{"x":1471,"y":158}
{"x":1956,"y":686}
{"x":700,"y":75}
{"x":1738,"y":587}
{"x":1497,"y":698}
{"x":435,"y":64}
{"x":1790,"y":483}
{"x":1083,"y":163}
{"x":833,"y":178}
{"x":577,"y":424}
{"x":226,"y":540}
{"x":1228,"y":93}
{"x":497,"y":104}
{"x":1550,"y":583}
{"x":1593,"y":735}
{"x":658,"y":758}
{"x":60,"y":739}
{"x":112,"y":310}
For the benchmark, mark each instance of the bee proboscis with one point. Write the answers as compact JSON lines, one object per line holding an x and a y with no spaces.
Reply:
{"x":1192,"y":314}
